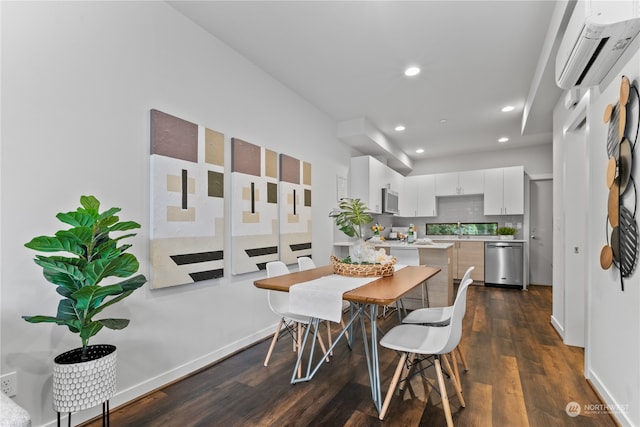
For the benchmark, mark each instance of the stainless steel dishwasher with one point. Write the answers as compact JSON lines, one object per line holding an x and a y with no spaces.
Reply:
{"x":503,"y":264}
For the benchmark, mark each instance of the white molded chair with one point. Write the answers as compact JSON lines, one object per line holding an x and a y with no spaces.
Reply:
{"x":279,"y":304}
{"x":419,"y":343}
{"x":439,"y":316}
{"x":306,"y":263}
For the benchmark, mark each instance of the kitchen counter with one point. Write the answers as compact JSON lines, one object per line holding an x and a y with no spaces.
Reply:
{"x":401,"y":245}
{"x":449,"y":238}
{"x":439,"y":288}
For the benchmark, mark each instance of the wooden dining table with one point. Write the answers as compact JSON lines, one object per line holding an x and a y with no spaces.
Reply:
{"x":365,"y":300}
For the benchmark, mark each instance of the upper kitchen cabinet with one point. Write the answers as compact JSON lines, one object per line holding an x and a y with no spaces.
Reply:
{"x":459,"y":183}
{"x":409,"y":199}
{"x":426,"y":196}
{"x":504,"y":191}
{"x":418,"y":196}
{"x":368,"y":176}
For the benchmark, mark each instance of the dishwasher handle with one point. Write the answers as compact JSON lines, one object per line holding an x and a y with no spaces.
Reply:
{"x":503,"y":245}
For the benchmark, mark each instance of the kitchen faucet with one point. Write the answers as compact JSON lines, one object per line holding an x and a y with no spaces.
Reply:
{"x":459,"y":230}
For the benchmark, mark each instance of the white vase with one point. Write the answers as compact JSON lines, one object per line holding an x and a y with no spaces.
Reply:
{"x":506,"y":237}
{"x":81,"y":385}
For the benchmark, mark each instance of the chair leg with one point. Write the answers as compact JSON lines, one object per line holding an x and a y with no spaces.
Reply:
{"x":454,"y":364}
{"x":464,"y":362}
{"x":297,"y":344}
{"x":324,"y":349}
{"x":328,"y":323}
{"x":456,"y":385}
{"x":443,"y":393}
{"x":407,"y":368}
{"x":273,"y":342}
{"x":346,"y":333}
{"x":392,"y":386}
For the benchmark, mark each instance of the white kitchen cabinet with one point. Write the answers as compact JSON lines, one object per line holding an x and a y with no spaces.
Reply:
{"x":368,"y":176}
{"x":426,"y":196}
{"x":418,"y":196}
{"x":409,"y":201}
{"x":459,"y":183}
{"x":504,"y":191}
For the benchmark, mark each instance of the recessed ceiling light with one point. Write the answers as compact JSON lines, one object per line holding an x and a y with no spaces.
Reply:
{"x":443,"y":121}
{"x":508,"y":108}
{"x":399,"y":128}
{"x":412,"y":71}
{"x":503,"y":140}
{"x":420,"y":151}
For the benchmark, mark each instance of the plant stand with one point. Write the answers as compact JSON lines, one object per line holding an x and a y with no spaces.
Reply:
{"x":79,"y":385}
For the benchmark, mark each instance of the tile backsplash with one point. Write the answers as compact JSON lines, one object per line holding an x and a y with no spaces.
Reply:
{"x":450,"y":209}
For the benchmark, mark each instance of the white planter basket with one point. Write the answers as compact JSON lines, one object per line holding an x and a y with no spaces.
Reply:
{"x":507,"y":237}
{"x":82,"y":385}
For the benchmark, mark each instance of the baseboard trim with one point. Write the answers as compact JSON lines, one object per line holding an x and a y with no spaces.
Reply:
{"x":619,"y":417}
{"x":556,"y":325}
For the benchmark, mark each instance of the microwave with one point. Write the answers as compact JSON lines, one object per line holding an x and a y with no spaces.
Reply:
{"x":390,"y":202}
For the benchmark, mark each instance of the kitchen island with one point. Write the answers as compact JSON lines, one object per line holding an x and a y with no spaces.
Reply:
{"x":439,"y":288}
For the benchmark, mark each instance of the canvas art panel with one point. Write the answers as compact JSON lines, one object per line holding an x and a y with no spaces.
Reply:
{"x":295,"y":209}
{"x":254,"y":207}
{"x":187,"y":202}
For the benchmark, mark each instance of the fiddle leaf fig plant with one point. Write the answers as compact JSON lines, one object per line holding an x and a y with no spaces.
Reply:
{"x":92,"y":256}
{"x":350,"y":216}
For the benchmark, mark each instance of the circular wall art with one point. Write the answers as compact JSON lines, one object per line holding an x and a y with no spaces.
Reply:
{"x":621,"y":249}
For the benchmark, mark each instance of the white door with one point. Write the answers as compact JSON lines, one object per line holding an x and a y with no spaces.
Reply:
{"x":541,"y":239}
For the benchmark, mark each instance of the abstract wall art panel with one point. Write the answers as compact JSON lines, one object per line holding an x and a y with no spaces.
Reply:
{"x":295,"y":209}
{"x":254,"y":206}
{"x":187,"y":202}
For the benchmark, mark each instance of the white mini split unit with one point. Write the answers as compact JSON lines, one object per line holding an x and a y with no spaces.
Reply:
{"x":597,"y":35}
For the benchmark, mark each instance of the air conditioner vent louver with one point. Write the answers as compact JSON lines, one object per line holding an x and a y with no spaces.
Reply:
{"x":591,"y":61}
{"x":593,"y":42}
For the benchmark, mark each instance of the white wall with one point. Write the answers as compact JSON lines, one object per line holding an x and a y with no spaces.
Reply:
{"x":78,"y":81}
{"x":537,"y":160}
{"x":613,"y":316}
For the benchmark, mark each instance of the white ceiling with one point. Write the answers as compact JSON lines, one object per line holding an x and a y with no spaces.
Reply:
{"x":347,"y":58}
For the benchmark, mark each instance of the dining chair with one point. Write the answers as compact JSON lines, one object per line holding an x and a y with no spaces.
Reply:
{"x":439,"y":316}
{"x":279,"y":304}
{"x":410,"y":257}
{"x":306,"y":263}
{"x":420,"y":343}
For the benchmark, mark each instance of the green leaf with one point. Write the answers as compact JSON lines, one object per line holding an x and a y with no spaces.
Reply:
{"x":61,"y":280}
{"x":54,"y":270}
{"x":87,"y":331}
{"x":90,"y":297}
{"x":108,"y":213}
{"x":125,"y":225}
{"x":128,"y":285}
{"x":114,"y":323}
{"x":80,"y":235}
{"x":51,"y":244}
{"x":90,"y":202}
{"x":123,"y":266}
{"x":133,"y":283}
{"x":77,"y":219}
{"x":67,"y":311}
{"x":41,"y":319}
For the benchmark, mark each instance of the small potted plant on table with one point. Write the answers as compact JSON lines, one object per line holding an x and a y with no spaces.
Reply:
{"x":363,"y":259}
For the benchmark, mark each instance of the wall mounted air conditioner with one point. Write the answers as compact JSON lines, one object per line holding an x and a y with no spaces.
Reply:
{"x":597,"y":35}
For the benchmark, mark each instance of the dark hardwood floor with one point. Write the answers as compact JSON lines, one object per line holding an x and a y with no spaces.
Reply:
{"x":521,"y":374}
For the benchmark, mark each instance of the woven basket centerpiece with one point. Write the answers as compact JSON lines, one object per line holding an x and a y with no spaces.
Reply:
{"x":362,"y":270}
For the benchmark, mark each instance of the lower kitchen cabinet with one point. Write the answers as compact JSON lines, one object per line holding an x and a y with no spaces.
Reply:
{"x":464,"y":255}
